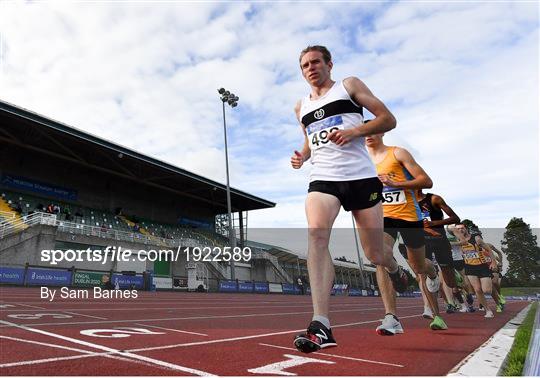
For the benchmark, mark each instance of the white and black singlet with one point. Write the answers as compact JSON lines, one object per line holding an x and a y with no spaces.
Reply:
{"x":330,"y":162}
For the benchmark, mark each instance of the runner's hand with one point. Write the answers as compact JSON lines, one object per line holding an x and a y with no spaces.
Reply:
{"x":297,"y":160}
{"x":385,"y":179}
{"x":342,"y":137}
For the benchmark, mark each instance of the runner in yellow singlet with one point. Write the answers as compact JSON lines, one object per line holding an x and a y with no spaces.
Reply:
{"x":401,"y":176}
{"x":478,"y":260}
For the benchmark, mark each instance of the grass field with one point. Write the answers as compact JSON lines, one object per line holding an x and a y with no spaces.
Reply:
{"x":518,"y":353}
{"x":520,"y":290}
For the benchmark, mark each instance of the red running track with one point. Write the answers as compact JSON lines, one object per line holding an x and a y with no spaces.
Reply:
{"x":172,"y":333}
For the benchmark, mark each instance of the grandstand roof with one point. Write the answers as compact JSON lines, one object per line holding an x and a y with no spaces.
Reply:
{"x":29,"y":130}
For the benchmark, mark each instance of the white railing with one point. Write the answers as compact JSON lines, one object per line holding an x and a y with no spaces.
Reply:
{"x":134,"y":237}
{"x":9,"y":227}
{"x":198,"y":240}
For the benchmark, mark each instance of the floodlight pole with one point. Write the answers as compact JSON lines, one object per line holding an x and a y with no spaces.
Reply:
{"x":231,"y":99}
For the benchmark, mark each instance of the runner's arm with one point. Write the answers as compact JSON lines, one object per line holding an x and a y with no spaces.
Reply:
{"x":453,"y":218}
{"x":487,"y":248}
{"x":384,"y":120}
{"x":420,"y":179}
{"x":305,"y":152}
{"x":499,"y":253}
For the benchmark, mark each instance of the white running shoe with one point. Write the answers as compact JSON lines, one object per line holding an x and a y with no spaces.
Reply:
{"x":489,"y":314}
{"x":390,"y":326}
{"x":433,"y":284}
{"x":428,"y":314}
{"x":463,"y":308}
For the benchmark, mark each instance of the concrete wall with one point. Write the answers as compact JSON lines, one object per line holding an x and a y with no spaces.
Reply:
{"x":258,"y":268}
{"x":23,"y":247}
{"x":242,"y":273}
{"x":26,"y":246}
{"x":263,"y":270}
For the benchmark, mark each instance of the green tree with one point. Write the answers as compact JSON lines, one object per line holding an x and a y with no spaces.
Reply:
{"x":523,"y":254}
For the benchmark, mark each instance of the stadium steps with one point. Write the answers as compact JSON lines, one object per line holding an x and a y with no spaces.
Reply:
{"x":11,"y":217}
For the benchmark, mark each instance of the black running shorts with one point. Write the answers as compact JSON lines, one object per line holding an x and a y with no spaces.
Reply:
{"x":353,"y":195}
{"x":441,"y":248}
{"x":459,"y":265}
{"x":480,"y":271}
{"x":411,"y":232}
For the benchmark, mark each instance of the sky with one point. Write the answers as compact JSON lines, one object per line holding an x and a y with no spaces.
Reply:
{"x":460,"y":77}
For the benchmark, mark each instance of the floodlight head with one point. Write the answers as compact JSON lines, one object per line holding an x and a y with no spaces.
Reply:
{"x":234,"y":104}
{"x":226,"y":93}
{"x":236,"y":98}
{"x":224,"y":98}
{"x":231,"y":101}
{"x":221,"y":91}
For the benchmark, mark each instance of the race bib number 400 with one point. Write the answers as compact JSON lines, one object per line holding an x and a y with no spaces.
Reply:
{"x":393,"y":197}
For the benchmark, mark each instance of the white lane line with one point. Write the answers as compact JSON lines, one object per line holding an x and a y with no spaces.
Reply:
{"x":88,"y":316}
{"x":207,"y":342}
{"x":25,"y":305}
{"x":53,"y":359}
{"x":57,"y":359}
{"x":209,"y":317}
{"x":227,"y":340}
{"x":107,"y":349}
{"x":358,"y":306}
{"x":172,"y":329}
{"x":44,"y":344}
{"x":32,"y":299}
{"x":336,"y":356}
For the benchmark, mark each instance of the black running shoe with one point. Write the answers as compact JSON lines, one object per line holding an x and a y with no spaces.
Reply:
{"x":316,"y":337}
{"x":399,"y":280}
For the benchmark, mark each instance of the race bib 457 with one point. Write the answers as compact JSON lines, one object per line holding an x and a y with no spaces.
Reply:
{"x":393,"y":196}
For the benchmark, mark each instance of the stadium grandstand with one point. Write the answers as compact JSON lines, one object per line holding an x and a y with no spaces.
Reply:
{"x":64,"y":189}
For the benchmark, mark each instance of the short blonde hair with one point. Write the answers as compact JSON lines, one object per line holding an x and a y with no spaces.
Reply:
{"x":327,"y":56}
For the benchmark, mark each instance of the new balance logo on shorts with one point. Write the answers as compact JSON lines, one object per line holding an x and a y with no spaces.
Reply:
{"x":373,"y":196}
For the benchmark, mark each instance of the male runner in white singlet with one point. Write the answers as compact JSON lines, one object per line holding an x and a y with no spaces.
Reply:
{"x":342,"y":174}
